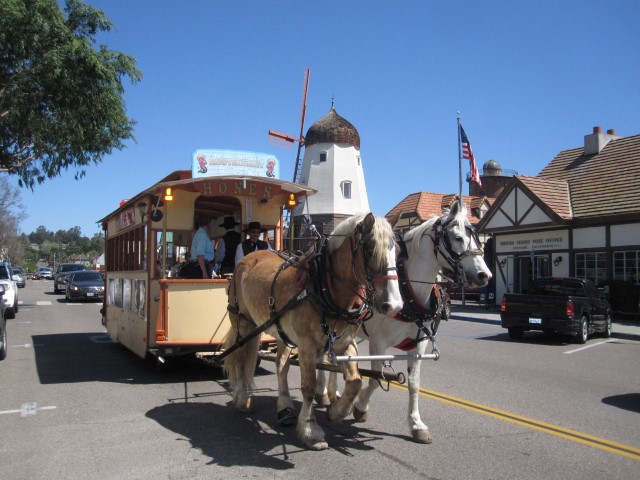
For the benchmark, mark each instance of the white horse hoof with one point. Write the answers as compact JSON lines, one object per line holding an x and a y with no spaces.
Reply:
{"x":422,"y":436}
{"x":359,"y":415}
{"x":317,"y":446}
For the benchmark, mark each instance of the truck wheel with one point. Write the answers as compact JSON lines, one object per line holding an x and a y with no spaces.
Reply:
{"x":584,"y":330}
{"x":516,"y":333}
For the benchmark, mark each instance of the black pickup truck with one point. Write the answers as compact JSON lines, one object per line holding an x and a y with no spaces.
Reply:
{"x":568,"y":306}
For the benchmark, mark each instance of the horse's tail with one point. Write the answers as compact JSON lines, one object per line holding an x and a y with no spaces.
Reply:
{"x":240,"y":365}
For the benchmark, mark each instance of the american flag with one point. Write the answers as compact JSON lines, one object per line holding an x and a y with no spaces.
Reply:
{"x":467,"y":154}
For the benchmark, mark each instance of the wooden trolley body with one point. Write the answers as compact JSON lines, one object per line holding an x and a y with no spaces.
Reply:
{"x":147,"y":308}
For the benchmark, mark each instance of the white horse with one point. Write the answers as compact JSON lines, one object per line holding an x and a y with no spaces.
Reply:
{"x":447,"y":243}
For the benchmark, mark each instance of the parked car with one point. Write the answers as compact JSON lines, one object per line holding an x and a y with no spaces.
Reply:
{"x":10,"y":297}
{"x":3,"y":326}
{"x":564,"y":305}
{"x":85,"y":285}
{"x":45,"y":273}
{"x":19,"y":277}
{"x":62,"y":274}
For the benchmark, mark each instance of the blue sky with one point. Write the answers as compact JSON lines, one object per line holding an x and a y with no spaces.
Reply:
{"x":529,"y":78}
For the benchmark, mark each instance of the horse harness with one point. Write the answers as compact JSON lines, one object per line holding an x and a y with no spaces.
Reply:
{"x":413,"y":309}
{"x":315,"y":285}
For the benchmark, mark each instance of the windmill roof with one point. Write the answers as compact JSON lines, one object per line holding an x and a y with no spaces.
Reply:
{"x":332,"y":128}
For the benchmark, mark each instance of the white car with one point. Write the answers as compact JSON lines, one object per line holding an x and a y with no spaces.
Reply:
{"x":10,"y":297}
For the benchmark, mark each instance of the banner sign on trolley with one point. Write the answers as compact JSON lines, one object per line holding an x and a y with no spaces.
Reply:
{"x":212,"y":163}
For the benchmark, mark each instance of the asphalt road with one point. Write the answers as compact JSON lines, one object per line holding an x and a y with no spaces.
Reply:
{"x":74,"y":405}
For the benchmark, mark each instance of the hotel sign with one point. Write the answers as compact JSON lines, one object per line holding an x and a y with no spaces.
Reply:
{"x":527,"y":242}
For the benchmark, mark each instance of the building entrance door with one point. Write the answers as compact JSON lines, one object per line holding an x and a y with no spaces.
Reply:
{"x":530,"y":267}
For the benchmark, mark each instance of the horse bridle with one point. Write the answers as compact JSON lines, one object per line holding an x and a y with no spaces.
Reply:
{"x":453,"y":258}
{"x":365,"y":258}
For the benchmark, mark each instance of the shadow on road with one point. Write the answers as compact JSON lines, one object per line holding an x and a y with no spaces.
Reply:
{"x":233,"y":439}
{"x":91,"y":357}
{"x":626,"y":401}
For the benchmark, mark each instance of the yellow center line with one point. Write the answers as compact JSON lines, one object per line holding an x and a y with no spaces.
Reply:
{"x":590,"y":440}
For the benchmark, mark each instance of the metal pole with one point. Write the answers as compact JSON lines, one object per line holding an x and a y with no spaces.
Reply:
{"x":459,"y":159}
{"x":328,"y":367}
{"x":369,"y":358}
{"x":291,"y":229}
{"x":164,"y":242}
{"x":460,"y":189}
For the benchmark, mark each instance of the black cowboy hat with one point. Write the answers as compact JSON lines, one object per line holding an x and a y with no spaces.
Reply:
{"x":229,"y":222}
{"x":254,"y":226}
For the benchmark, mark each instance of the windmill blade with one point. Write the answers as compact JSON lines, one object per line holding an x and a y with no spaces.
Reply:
{"x":303,"y":113}
{"x":280,"y":139}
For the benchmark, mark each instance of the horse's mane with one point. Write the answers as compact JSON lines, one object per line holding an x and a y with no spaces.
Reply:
{"x":382,"y":235}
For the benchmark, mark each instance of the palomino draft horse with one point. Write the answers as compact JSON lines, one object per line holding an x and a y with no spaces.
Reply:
{"x":316,"y":302}
{"x":446,"y":243}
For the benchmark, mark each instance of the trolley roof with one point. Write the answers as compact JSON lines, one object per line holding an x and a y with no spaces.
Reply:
{"x":181,"y":180}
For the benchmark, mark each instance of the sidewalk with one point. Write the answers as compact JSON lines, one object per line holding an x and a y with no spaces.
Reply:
{"x":622,"y":328}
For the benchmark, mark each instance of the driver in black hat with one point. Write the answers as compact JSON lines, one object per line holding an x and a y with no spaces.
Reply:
{"x":253,"y":243}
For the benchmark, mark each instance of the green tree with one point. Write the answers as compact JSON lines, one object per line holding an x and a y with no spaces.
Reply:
{"x":61,"y":102}
{"x":11,"y":214}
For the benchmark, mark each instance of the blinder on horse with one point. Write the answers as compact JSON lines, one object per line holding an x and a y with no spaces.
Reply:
{"x":448,"y":252}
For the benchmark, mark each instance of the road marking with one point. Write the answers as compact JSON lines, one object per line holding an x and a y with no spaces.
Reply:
{"x":587,"y":346}
{"x":28,"y":409}
{"x":27,"y":345}
{"x":589,"y":440}
{"x":43,"y":303}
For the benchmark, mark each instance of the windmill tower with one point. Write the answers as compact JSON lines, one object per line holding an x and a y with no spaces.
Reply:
{"x":333,"y":166}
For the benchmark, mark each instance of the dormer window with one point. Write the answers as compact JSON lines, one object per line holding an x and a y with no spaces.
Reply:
{"x":323,"y":157}
{"x":346,"y":189}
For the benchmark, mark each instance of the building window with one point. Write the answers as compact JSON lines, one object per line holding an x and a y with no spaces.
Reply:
{"x":346,"y":189}
{"x":626,"y":266}
{"x":323,"y":157}
{"x":358,"y":158}
{"x":591,"y":266}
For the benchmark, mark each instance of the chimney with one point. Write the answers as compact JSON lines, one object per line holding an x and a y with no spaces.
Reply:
{"x":594,"y":143}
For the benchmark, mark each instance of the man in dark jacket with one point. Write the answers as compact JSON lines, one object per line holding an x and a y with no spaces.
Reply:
{"x":253,"y":243}
{"x":227,"y":244}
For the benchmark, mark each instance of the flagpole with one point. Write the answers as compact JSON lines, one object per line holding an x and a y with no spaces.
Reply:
{"x":460,"y":190}
{"x":459,"y":160}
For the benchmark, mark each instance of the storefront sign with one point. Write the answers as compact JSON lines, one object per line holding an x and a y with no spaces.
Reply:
{"x":529,"y":242}
{"x":212,"y":163}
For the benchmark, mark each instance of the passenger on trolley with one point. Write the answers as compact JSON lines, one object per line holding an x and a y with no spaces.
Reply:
{"x":227,"y":245}
{"x":253,"y":243}
{"x":202,"y":250}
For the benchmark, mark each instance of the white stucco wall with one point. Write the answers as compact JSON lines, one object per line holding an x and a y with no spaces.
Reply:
{"x":343,"y":164}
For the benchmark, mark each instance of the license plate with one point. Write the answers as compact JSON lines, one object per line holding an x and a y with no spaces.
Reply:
{"x":90,"y":294}
{"x":535,"y":321}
